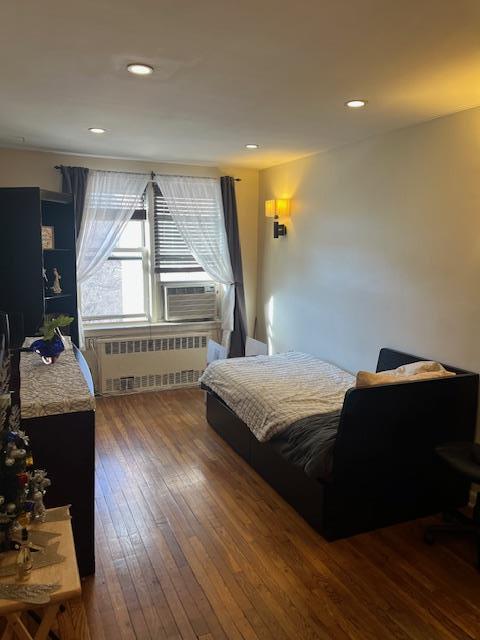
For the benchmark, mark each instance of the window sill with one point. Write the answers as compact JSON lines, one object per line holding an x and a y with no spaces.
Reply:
{"x":149,"y":328}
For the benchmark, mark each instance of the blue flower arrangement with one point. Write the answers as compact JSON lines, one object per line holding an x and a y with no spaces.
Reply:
{"x":51,"y":345}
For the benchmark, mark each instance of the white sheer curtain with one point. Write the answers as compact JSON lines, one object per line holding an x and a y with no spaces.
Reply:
{"x":110,"y":201}
{"x":195,"y":205}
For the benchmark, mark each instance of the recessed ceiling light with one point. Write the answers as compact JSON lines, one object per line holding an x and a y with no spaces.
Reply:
{"x":96,"y":130}
{"x":355,"y":104}
{"x":140,"y":69}
{"x":252,"y":146}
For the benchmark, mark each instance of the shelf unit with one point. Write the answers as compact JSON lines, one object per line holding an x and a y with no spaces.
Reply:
{"x":23,"y":212}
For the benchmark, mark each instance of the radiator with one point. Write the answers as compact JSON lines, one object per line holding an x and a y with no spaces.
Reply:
{"x":148,"y":364}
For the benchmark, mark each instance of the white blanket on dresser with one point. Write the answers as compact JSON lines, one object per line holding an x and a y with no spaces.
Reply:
{"x":270,"y":393}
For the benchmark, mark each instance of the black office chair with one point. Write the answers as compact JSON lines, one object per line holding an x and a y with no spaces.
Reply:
{"x":464,"y":458}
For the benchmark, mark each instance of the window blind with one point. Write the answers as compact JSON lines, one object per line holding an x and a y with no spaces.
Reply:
{"x":115,"y":201}
{"x":171,"y":252}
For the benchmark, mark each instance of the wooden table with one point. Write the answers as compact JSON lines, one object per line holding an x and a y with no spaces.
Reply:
{"x":65,"y":573}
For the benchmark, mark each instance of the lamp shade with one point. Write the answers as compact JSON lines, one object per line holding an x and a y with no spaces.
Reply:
{"x":280,"y":208}
{"x":270,"y":208}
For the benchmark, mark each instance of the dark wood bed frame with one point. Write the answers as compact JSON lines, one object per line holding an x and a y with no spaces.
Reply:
{"x":384,"y":465}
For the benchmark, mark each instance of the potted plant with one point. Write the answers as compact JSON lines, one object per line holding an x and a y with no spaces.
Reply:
{"x":50,"y":346}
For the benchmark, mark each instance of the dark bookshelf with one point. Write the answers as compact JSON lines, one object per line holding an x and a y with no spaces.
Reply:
{"x":58,"y":296}
{"x":23,"y":212}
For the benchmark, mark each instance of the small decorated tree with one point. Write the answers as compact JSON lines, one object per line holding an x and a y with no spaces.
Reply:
{"x":21,"y":488}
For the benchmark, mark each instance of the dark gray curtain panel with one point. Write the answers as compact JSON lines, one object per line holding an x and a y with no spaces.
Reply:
{"x":239,"y":333}
{"x":74,"y":181}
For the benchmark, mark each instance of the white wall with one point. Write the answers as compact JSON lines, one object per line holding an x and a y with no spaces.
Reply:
{"x":383,"y":248}
{"x":20,"y":168}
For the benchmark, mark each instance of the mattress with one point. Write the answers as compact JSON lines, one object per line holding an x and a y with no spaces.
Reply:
{"x":272,"y":393}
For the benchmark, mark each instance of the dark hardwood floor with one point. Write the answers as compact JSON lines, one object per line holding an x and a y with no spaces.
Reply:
{"x":191,"y":543}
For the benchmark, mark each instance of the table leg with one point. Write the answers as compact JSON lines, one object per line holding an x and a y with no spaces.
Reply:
{"x":8,"y":632}
{"x":50,"y":613}
{"x":16,"y":628}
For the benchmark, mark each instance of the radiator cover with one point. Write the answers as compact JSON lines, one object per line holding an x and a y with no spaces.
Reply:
{"x":137,"y":364}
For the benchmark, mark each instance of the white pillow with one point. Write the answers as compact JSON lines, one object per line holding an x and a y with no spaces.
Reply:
{"x":418,"y":367}
{"x":423,"y":370}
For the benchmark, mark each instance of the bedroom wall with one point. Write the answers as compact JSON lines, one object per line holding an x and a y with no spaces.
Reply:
{"x":383,"y":248}
{"x":36,"y":168}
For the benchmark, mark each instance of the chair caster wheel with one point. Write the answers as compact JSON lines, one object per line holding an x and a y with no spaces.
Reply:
{"x":428,"y":537}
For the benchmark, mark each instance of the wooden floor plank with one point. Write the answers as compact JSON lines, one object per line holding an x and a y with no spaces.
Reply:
{"x":192,"y":544}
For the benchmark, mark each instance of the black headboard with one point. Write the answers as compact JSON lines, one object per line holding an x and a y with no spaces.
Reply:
{"x":391,"y":359}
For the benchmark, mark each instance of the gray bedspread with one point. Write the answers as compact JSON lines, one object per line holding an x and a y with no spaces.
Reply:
{"x":309,"y":442}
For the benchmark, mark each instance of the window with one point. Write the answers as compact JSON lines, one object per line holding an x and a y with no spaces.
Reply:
{"x":119,"y":290}
{"x":173,"y":259}
{"x":151,"y":252}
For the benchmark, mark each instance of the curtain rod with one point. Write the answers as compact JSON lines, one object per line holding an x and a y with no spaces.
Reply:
{"x":153,"y":174}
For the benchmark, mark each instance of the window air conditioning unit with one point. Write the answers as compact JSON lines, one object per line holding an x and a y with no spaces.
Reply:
{"x":190,"y":302}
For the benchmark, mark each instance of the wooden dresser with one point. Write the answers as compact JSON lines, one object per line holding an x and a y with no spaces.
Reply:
{"x":58,"y":413}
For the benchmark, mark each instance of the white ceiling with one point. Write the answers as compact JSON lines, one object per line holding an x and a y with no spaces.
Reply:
{"x":275,"y":72}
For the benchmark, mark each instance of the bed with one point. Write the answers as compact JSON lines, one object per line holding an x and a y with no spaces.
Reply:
{"x":376,"y":464}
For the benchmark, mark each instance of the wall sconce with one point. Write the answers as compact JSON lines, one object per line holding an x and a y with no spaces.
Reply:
{"x":276,"y":209}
